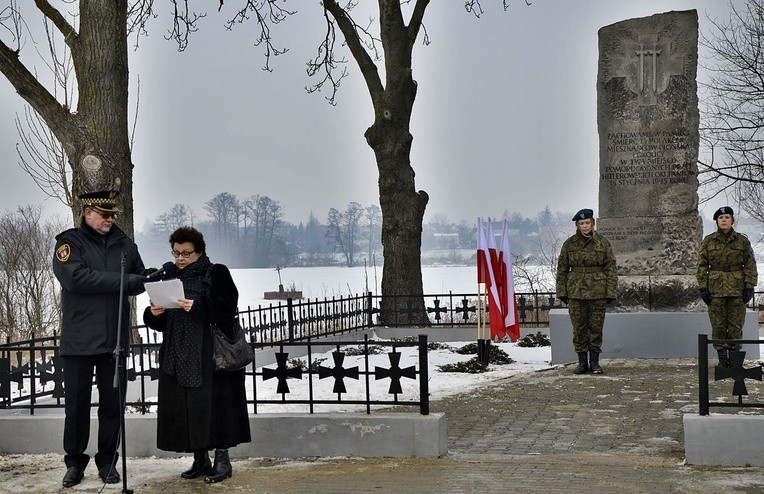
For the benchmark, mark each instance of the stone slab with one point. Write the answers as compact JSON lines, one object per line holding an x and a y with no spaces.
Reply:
{"x":645,"y":335}
{"x":401,"y":435}
{"x":724,"y":439}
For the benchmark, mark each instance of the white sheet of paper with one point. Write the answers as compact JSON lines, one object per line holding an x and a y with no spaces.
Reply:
{"x":165,"y":293}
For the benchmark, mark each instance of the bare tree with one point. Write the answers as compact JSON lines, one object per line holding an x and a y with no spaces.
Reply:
{"x":92,"y":130}
{"x":263,"y":218}
{"x":733,"y":121}
{"x":224,"y":210}
{"x":179,"y":215}
{"x":342,"y":230}
{"x":29,"y":299}
{"x":373,"y":216}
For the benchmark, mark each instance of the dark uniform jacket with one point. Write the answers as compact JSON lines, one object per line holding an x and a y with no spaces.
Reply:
{"x":586,"y":268}
{"x":87,"y":264}
{"x":726,"y":264}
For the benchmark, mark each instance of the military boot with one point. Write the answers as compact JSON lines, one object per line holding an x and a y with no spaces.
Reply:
{"x":724,"y":359}
{"x":594,"y":362}
{"x":222,"y":469}
{"x":201,"y":466}
{"x":583,"y":365}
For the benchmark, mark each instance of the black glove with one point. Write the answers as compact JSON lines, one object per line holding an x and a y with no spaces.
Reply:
{"x":706,"y":296}
{"x":135,"y":282}
{"x":146,"y":272}
{"x":747,"y":295}
{"x":564,"y":300}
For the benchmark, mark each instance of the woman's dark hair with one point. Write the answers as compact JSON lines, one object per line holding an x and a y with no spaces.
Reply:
{"x":189,"y":234}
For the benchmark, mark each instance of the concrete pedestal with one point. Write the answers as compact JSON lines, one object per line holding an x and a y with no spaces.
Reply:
{"x":721,"y":439}
{"x":399,"y":435}
{"x":645,"y":335}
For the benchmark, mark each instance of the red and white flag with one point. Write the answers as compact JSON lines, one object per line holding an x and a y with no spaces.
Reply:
{"x":506,"y":284}
{"x":487,"y":275}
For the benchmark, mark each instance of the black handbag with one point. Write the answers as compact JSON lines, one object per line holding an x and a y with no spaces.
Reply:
{"x":231,"y":354}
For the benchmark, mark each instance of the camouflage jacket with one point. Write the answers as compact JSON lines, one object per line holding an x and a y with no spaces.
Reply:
{"x":726,"y":264}
{"x":586,"y":268}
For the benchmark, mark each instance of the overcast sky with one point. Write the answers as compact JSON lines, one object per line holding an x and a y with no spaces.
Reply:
{"x":505,"y":115}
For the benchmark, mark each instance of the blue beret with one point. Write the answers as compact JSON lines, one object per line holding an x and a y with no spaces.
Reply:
{"x":583,"y":215}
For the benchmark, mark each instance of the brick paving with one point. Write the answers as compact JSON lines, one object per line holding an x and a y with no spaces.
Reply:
{"x":542,"y":432}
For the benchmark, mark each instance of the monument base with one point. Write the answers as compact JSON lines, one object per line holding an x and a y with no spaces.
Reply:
{"x":663,"y":293}
{"x":645,"y":335}
{"x":724,"y":439}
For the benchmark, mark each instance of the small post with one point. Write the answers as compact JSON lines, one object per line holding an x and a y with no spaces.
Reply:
{"x":703,"y":374}
{"x":424,"y":378}
{"x":290,"y":320}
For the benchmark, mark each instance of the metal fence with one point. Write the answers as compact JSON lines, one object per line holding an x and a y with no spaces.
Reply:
{"x":31,"y":375}
{"x":736,"y":372}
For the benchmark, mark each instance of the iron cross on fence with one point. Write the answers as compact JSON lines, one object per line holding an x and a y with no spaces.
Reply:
{"x":738,"y":373}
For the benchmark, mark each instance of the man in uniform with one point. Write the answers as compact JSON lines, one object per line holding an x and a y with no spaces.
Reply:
{"x":726,"y":278}
{"x":587,"y":282}
{"x":87,"y":262}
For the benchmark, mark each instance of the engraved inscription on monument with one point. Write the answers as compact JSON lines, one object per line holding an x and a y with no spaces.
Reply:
{"x":647,"y":115}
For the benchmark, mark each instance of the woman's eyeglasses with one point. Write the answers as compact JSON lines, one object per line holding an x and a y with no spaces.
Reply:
{"x":184,"y":255}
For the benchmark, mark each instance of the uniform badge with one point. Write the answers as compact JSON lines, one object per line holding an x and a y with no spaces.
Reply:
{"x":63,"y":252}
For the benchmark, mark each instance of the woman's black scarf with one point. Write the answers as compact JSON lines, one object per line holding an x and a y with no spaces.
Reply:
{"x":184,"y":331}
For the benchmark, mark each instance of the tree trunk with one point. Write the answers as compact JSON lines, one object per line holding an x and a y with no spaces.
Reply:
{"x":402,"y":206}
{"x":95,"y":138}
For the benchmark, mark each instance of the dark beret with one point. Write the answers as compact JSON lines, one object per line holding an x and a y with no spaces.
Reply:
{"x":723,"y":210}
{"x":583,"y":215}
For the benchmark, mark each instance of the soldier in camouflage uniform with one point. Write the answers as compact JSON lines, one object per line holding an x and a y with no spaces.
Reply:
{"x":586,"y":282}
{"x":726,"y":277}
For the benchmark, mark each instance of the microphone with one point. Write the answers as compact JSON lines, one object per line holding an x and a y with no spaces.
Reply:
{"x":161,"y":271}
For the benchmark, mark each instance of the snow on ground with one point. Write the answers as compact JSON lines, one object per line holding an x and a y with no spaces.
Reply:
{"x":441,"y":384}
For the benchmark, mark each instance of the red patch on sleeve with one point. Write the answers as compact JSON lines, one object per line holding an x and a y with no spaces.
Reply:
{"x":63,"y":252}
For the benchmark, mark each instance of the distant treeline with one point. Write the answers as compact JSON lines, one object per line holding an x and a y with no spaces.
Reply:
{"x":253,"y":233}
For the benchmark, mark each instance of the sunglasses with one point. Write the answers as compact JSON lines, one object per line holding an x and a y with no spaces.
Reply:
{"x":105,"y":216}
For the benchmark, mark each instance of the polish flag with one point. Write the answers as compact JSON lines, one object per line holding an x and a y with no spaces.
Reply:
{"x":495,"y":304}
{"x":506,"y":281}
{"x":486,"y":274}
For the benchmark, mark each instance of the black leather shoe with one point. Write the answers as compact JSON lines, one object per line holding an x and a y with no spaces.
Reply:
{"x":109,"y":475}
{"x":72,"y":477}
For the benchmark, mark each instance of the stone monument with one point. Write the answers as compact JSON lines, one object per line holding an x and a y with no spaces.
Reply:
{"x":647,"y":116}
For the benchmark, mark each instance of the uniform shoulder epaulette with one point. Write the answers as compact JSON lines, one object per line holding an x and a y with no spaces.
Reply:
{"x":65,"y":232}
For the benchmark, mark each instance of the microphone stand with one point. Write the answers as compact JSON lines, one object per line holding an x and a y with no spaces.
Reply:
{"x":119,"y":369}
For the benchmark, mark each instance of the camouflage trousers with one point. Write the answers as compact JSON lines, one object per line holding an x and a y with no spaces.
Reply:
{"x":588,"y":318}
{"x":727,"y":316}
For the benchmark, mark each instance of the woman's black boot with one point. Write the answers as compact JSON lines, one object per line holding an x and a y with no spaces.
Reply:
{"x":222,"y":469}
{"x":201,"y":466}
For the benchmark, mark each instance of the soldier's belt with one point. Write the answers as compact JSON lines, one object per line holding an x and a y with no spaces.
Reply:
{"x":586,"y":269}
{"x":726,"y":268}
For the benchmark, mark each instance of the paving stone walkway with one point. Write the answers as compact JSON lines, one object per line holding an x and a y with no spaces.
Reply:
{"x":541,"y":432}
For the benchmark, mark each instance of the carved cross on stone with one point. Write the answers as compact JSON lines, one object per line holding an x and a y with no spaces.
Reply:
{"x":338,"y":372}
{"x":282,"y":373}
{"x":395,"y":373}
{"x":738,"y":373}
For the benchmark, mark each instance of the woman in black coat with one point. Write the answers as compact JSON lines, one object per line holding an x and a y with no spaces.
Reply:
{"x":199,"y":409}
